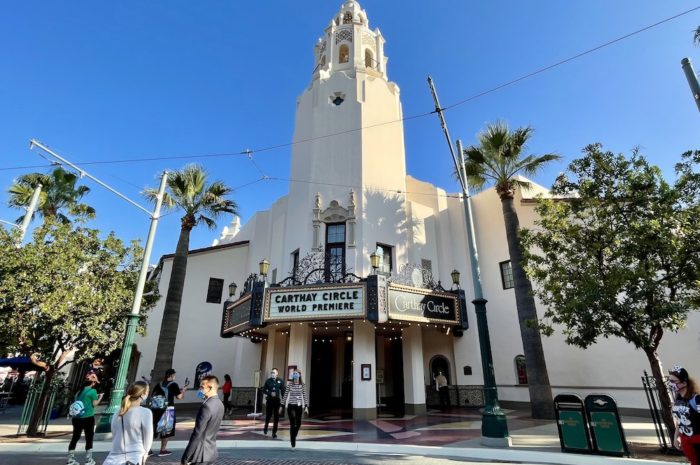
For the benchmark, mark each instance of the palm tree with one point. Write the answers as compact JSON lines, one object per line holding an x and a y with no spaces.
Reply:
{"x":498,"y":160}
{"x":59,"y":194}
{"x":202,"y":203}
{"x":696,"y":36}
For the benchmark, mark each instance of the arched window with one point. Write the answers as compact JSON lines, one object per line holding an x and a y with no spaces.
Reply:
{"x":344,"y":54}
{"x":347,"y":18}
{"x":520,"y":370}
{"x":369,"y":59}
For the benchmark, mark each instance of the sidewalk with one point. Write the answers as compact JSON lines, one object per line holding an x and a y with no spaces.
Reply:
{"x":451,"y":434}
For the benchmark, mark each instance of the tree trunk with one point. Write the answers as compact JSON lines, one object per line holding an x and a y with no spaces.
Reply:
{"x":171,"y":312}
{"x":541,"y":402}
{"x":42,"y":403}
{"x":664,"y":396}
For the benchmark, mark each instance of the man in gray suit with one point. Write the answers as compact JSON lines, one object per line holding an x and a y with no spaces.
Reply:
{"x":202,"y":445}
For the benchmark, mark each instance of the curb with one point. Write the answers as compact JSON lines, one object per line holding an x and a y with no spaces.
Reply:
{"x":509,"y":455}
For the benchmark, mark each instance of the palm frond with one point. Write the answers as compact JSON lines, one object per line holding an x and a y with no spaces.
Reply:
{"x":499,"y":157}
{"x":696,"y":36}
{"x":211,"y":224}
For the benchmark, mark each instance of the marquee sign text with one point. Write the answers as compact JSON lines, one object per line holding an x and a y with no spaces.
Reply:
{"x":415,"y":305}
{"x":314,"y":303}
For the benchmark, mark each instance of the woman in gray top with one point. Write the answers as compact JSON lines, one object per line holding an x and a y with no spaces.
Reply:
{"x":132,"y":428}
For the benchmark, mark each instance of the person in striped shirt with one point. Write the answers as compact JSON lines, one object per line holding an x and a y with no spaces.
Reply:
{"x":295,"y":401}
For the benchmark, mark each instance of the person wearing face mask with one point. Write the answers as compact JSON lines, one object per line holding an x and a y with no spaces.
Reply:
{"x":273,"y":391}
{"x":132,"y":428}
{"x":296,"y":401}
{"x":85,"y":420}
{"x":685,"y":412}
{"x":202,"y":445}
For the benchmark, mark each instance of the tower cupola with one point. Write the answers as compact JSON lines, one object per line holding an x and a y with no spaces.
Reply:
{"x":349,"y":45}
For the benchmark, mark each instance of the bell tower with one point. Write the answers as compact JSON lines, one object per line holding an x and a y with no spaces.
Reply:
{"x":348,"y":128}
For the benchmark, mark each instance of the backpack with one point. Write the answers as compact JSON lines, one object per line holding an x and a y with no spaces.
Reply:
{"x":160,"y":401}
{"x":77,"y":408}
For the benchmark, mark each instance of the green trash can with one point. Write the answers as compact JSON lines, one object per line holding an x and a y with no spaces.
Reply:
{"x":572,"y":424}
{"x":606,"y":427}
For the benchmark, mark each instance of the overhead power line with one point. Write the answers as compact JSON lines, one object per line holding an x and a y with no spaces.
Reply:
{"x":398,"y":120}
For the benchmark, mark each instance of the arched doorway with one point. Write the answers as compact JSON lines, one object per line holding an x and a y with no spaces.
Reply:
{"x":439,"y":363}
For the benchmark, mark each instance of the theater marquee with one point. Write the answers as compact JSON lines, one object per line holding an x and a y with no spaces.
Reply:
{"x":315,"y":302}
{"x":421,"y":305}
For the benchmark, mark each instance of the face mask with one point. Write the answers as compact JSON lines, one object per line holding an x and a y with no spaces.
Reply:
{"x":201,"y":395}
{"x":674,"y":387}
{"x":295,"y":376}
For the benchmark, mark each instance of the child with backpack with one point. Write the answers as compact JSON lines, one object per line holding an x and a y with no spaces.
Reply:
{"x":163,"y":408}
{"x":82,"y":413}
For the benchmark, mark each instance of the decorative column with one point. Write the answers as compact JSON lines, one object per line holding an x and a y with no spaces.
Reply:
{"x":364,"y":393}
{"x":300,"y":350}
{"x":274,"y":345}
{"x":316,"y":244}
{"x":351,"y":220}
{"x":413,"y":370}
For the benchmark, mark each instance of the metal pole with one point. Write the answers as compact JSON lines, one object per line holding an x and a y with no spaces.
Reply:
{"x":30,"y":212}
{"x":494,"y":427}
{"x":104,"y":425}
{"x":82,"y":172}
{"x":692,"y":80}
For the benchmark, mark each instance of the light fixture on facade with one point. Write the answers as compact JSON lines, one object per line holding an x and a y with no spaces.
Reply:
{"x":348,"y":336}
{"x":374,"y":259}
{"x":232,"y":289}
{"x":264,"y":267}
{"x":455,"y":277}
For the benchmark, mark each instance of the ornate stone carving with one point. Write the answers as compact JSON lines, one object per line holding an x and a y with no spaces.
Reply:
{"x":344,"y":35}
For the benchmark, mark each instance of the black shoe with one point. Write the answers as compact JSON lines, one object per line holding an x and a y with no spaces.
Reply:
{"x":265,"y":431}
{"x":274,"y":435}
{"x":150,"y":453}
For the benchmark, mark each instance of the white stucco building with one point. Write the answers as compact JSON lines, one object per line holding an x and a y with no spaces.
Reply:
{"x":350,"y":196}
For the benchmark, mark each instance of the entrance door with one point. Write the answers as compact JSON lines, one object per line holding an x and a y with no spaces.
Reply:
{"x":331,"y":376}
{"x":391,"y":390}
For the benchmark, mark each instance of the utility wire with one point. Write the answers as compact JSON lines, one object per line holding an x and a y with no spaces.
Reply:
{"x":365,"y":188}
{"x":571,"y":58}
{"x":398,"y":120}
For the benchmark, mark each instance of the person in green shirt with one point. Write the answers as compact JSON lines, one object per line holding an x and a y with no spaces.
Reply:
{"x":85,"y":422}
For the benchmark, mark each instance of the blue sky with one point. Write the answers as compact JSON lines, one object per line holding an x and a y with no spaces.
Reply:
{"x":101,"y":81}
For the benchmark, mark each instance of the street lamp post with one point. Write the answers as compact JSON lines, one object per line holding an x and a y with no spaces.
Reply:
{"x":33,"y":202}
{"x":104,"y":426}
{"x":494,"y":427}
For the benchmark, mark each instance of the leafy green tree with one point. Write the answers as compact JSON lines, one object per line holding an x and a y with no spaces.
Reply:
{"x":60,"y":195}
{"x":616,"y":252}
{"x":189,"y":191}
{"x":63,"y":296}
{"x":499,"y":160}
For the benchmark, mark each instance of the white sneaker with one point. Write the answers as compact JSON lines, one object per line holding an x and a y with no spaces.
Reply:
{"x":89,"y":461}
{"x":72,"y":461}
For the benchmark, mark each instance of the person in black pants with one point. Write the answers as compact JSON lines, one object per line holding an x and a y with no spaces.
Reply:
{"x":273,"y":390}
{"x":85,"y":422}
{"x":295,"y":401}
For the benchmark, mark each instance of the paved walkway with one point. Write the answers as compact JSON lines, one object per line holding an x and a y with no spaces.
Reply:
{"x":453,"y":434}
